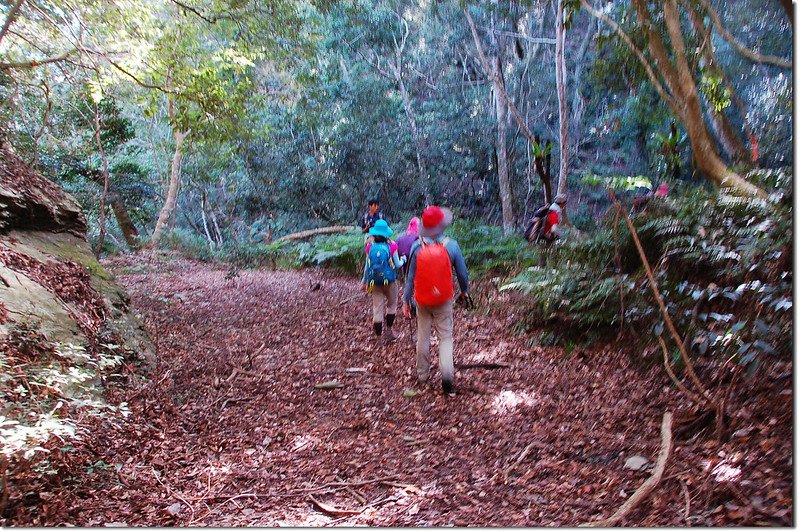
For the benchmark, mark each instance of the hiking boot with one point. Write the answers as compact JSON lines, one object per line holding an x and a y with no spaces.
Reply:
{"x":379,"y":342}
{"x":447,"y":388}
{"x":389,"y":336}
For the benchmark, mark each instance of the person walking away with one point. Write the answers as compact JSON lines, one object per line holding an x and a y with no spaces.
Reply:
{"x":429,"y":283}
{"x":372,"y":215}
{"x":380,"y":279}
{"x":553,"y":219}
{"x":405,"y":242}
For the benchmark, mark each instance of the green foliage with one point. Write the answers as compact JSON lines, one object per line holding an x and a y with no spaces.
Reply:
{"x":722,"y":264}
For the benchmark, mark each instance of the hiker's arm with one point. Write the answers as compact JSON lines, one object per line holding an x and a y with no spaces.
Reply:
{"x":398,"y":260}
{"x":460,"y":267}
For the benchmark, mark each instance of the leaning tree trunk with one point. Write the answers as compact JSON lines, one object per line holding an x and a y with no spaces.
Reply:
{"x":705,"y":153}
{"x":683,"y":97}
{"x":172,"y":192}
{"x":731,"y":143}
{"x":561,"y":73}
{"x":502,"y":151}
{"x":124,"y":221}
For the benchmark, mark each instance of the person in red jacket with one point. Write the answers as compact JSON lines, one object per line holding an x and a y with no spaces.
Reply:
{"x":554,"y":217}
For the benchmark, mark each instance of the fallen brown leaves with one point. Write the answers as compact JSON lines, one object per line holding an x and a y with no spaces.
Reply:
{"x":231,"y":448}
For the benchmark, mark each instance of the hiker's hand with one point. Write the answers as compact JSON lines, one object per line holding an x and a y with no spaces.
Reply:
{"x":364,"y":287}
{"x":407,"y":310}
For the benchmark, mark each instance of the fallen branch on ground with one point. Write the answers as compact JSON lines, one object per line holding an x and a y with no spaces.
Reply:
{"x":524,"y":454}
{"x":645,"y":489}
{"x":314,"y":232}
{"x":349,"y":299}
{"x":232,"y":400}
{"x":332,"y":510}
{"x":346,"y":484}
{"x":484,"y":365}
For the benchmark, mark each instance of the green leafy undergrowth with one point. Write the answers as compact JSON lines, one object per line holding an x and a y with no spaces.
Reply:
{"x":722,"y":263}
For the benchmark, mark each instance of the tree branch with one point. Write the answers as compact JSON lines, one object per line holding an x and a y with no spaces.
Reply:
{"x":636,"y":51}
{"x":12,"y":14}
{"x":534,"y":40}
{"x":213,"y":20}
{"x":645,"y":489}
{"x":26,"y":65}
{"x":742,"y":49}
{"x":498,"y":84}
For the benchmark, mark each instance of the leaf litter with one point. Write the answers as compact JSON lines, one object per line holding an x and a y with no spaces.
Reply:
{"x":232,"y":428}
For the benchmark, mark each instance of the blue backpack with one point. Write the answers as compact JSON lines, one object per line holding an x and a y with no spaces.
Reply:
{"x":380,"y":268}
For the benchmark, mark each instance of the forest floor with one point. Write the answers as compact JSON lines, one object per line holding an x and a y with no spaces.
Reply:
{"x":230,"y":429}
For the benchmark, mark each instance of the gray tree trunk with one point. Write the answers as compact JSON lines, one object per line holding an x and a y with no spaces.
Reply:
{"x":561,"y":74}
{"x":502,"y":151}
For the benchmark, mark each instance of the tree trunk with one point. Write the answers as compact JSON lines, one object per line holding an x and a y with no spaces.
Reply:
{"x":682,"y":97}
{"x":171,"y":199}
{"x":561,"y":74}
{"x":731,"y":143}
{"x":423,"y":180}
{"x":205,"y":221}
{"x":788,"y":6}
{"x":124,"y":221}
{"x":542,"y":164}
{"x":502,"y":152}
{"x":705,"y":153}
{"x":172,"y":192}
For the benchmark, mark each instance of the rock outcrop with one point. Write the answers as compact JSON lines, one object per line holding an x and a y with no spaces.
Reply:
{"x":49,"y":276}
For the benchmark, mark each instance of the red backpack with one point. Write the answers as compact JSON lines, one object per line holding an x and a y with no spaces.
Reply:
{"x":433,"y":282}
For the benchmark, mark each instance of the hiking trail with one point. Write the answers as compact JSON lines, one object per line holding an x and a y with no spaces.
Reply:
{"x":233,"y":429}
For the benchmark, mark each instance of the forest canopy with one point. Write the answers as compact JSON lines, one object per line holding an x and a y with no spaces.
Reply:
{"x":233,"y":118}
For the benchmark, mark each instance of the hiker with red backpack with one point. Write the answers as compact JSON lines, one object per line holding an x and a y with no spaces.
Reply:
{"x":429,"y":283}
{"x":545,"y":221}
{"x":380,"y":279}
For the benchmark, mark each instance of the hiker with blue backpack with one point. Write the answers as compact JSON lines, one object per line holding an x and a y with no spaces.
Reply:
{"x":429,"y":282}
{"x":380,"y":279}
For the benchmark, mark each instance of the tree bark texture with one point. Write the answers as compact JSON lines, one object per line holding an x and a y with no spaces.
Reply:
{"x":561,"y":74}
{"x":683,"y":97}
{"x":731,"y":143}
{"x":502,"y":151}
{"x":174,"y":180}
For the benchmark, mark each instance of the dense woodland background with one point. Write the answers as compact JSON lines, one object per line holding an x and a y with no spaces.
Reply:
{"x":215,"y":127}
{"x":280,"y":116}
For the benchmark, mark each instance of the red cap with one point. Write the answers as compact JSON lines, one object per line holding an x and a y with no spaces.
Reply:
{"x":434,"y":220}
{"x":432,"y":216}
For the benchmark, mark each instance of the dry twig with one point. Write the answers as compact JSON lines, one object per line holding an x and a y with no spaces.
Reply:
{"x":645,"y":489}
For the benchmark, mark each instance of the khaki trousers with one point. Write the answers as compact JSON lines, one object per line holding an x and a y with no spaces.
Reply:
{"x":439,"y":319}
{"x":384,"y":301}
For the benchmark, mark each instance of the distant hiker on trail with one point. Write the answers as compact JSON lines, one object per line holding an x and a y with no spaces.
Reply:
{"x":640,"y":203}
{"x":430,"y":284}
{"x":405,"y":242}
{"x":544,"y":225}
{"x":380,"y":279}
{"x":372,"y":215}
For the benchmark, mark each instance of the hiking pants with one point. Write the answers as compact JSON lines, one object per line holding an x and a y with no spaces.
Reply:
{"x":384,"y":301}
{"x":439,"y":319}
